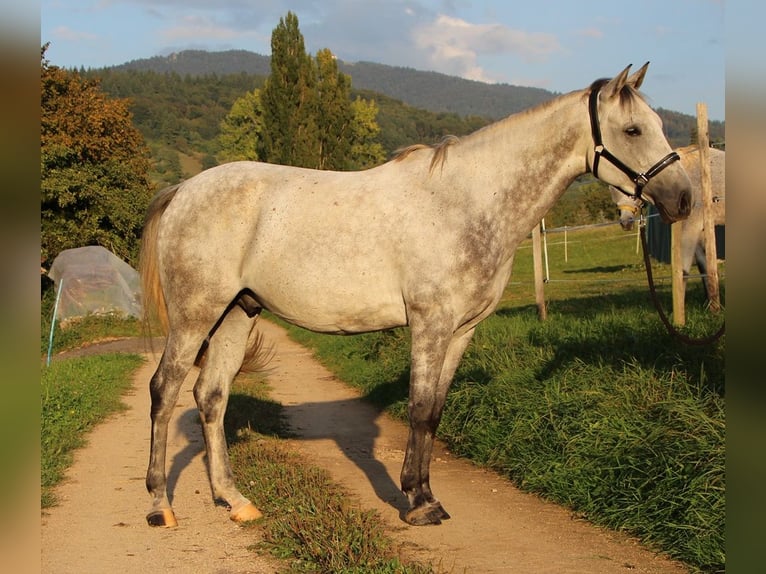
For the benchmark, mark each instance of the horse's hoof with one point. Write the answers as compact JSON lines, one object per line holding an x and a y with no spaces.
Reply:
{"x":429,"y":515}
{"x":245,"y":513}
{"x":164,"y":518}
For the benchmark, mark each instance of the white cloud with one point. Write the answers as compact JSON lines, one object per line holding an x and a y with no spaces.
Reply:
{"x":65,"y":33}
{"x":201,"y":28}
{"x":591,"y":33}
{"x":455,"y":46}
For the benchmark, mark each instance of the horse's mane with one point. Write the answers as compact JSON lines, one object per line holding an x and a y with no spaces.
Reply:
{"x":439,"y":151}
{"x":628,"y":95}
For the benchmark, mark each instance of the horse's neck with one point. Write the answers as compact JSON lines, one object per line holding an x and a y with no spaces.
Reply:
{"x":535,"y":155}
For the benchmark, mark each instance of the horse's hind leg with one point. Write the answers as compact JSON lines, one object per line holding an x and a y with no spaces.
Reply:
{"x":177,"y":359}
{"x":223,"y":360}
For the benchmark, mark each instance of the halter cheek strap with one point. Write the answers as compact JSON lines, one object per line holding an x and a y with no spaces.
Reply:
{"x":639,"y":179}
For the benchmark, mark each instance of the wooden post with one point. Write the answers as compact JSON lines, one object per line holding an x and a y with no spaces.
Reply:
{"x":677,"y":275}
{"x":547,"y":275}
{"x":537,"y":256}
{"x":708,"y":226}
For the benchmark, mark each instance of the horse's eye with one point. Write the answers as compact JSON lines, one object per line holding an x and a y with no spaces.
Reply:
{"x":633,"y":131}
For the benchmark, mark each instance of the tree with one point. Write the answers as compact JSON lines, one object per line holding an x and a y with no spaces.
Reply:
{"x":366,"y":151}
{"x":93,"y":167}
{"x":303,"y":116}
{"x":288,"y":99}
{"x":241,"y":136}
{"x":598,"y":202}
{"x":333,"y":113}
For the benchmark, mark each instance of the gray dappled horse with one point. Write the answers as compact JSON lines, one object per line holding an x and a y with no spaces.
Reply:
{"x":692,"y":238}
{"x":425,"y":240}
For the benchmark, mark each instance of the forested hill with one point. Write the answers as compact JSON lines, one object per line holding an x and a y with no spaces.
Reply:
{"x":429,"y":91}
{"x":426,"y":90}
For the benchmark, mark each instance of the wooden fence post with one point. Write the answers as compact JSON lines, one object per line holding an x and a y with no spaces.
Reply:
{"x":537,"y":257}
{"x":708,"y":229}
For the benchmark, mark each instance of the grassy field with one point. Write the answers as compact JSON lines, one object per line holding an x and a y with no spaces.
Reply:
{"x":597,"y":408}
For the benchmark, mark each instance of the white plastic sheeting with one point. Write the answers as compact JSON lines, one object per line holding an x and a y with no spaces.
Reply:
{"x":93,"y":280}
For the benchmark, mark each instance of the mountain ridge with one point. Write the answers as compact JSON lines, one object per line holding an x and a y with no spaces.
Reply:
{"x":428,"y":90}
{"x":432,"y":91}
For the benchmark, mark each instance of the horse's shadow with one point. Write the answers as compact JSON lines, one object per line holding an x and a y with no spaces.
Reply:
{"x":350,"y":423}
{"x":353,"y":425}
{"x":189,"y":425}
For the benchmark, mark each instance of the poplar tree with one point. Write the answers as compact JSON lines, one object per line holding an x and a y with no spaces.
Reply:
{"x":288,"y":99}
{"x":334,"y":114}
{"x":304,"y":112}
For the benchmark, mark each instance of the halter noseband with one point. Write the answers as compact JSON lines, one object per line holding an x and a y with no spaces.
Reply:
{"x":640,"y":179}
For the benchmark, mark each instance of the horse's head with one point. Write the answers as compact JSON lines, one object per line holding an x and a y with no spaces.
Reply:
{"x":630,"y":151}
{"x":629,"y":207}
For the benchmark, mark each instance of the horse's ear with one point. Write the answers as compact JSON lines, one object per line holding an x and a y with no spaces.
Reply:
{"x":613,"y":86}
{"x":638,"y":77}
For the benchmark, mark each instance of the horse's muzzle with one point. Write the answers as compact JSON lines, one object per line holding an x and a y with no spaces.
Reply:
{"x":627,"y":223}
{"x":679,"y":211}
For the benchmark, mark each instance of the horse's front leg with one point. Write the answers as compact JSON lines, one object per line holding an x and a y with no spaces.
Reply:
{"x":434,"y":361}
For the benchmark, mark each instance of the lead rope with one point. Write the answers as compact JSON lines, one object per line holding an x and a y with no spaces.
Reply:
{"x":671,"y":329}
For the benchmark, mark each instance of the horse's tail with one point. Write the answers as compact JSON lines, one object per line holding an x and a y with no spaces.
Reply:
{"x":154,"y":306}
{"x":257,"y":357}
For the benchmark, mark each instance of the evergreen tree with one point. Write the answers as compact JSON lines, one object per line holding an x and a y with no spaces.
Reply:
{"x":334,"y":114}
{"x":93,"y":167}
{"x":288,"y":99}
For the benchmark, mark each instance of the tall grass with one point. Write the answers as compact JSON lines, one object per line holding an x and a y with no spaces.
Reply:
{"x":597,"y":408}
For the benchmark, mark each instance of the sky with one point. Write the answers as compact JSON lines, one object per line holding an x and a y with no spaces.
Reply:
{"x":558,"y":45}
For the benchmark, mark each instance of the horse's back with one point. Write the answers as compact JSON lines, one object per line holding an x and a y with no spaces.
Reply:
{"x":690,"y":159}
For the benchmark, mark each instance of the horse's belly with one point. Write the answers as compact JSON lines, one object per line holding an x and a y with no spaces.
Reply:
{"x":354,"y":307}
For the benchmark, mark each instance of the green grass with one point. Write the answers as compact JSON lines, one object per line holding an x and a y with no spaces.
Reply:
{"x":75,"y":395}
{"x":597,"y":408}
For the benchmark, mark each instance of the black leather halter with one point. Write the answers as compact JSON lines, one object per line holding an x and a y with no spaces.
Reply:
{"x":640,"y":179}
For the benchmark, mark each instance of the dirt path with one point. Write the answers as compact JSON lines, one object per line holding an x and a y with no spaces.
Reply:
{"x":494,"y":528}
{"x":99,"y":525}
